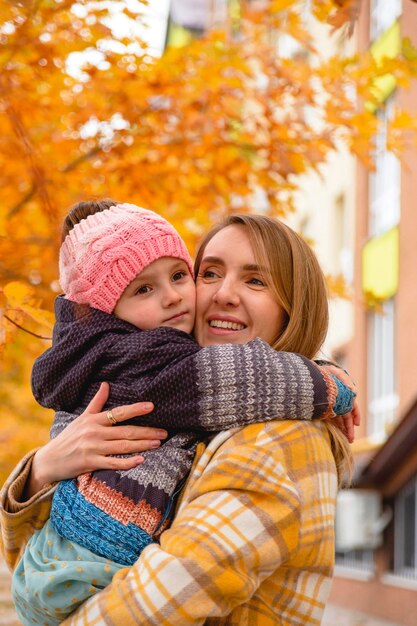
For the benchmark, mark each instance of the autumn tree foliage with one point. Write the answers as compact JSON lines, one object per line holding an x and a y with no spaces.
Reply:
{"x":193,"y":134}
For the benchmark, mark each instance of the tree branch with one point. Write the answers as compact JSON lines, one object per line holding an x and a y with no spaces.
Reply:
{"x":25,"y":329}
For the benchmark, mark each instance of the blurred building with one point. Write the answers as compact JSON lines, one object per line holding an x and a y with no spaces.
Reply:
{"x":377,"y":531}
{"x":363,"y":226}
{"x":325,"y":207}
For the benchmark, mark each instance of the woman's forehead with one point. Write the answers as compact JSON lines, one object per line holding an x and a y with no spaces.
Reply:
{"x":233,"y":245}
{"x":231,"y":239}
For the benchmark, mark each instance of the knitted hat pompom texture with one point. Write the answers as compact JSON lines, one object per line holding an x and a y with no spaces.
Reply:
{"x":104,"y":252}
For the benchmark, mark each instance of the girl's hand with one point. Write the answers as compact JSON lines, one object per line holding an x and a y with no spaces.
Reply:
{"x":87,"y":443}
{"x":347,"y":422}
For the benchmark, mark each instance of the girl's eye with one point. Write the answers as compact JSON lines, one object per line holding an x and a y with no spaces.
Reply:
{"x":143,"y":289}
{"x":178,"y":275}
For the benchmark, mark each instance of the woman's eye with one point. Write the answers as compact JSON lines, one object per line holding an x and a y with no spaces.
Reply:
{"x":208,"y":274}
{"x":178,"y":275}
{"x":143,"y":289}
{"x":257,"y":281}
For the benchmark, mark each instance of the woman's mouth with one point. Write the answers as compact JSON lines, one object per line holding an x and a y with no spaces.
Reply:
{"x":226,"y":325}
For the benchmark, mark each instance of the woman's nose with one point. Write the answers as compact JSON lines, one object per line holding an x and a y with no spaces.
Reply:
{"x":227,"y":294}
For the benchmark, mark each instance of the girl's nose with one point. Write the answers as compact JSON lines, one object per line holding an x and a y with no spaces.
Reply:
{"x":171,"y":296}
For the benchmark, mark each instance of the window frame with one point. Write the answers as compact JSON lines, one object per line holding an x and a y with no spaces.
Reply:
{"x":400,"y":567}
{"x":382,"y":14}
{"x":382,"y":385}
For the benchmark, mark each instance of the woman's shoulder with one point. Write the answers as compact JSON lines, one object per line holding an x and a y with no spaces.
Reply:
{"x":275,"y":433}
{"x":260,"y":448}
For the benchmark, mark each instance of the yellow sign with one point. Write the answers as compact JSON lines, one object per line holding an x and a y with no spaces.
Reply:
{"x":380,"y":266}
{"x":387,"y":45}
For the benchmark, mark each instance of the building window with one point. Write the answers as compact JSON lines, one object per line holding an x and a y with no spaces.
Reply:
{"x":382,"y":397}
{"x":405,"y":545}
{"x":343,"y":252}
{"x":362,"y":560}
{"x":385,"y":181}
{"x":383,"y":14}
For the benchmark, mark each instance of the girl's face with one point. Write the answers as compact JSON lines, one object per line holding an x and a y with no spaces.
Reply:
{"x":162,"y":295}
{"x":234,"y":302}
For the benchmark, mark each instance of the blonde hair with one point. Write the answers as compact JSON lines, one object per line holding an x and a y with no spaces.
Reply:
{"x":297,"y":281}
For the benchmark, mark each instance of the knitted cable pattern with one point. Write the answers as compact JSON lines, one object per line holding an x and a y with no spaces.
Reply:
{"x":104,"y":252}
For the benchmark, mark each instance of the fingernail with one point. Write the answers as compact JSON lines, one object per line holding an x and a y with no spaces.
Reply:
{"x":161,"y":433}
{"x":155,"y":444}
{"x":146,"y":406}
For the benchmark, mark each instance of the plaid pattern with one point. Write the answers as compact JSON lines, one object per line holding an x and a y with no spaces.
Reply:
{"x":18,"y":521}
{"x":252,"y":542}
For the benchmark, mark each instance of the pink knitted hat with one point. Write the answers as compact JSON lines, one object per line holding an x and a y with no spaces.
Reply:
{"x":104,"y":252}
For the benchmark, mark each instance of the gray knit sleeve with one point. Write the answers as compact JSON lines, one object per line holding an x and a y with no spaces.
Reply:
{"x":241,"y":384}
{"x":62,"y":419}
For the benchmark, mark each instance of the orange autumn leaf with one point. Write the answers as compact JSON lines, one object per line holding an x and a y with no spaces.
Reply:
{"x":337,"y":287}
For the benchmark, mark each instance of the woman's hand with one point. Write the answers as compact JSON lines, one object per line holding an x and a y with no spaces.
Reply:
{"x":86,"y":443}
{"x":347,"y":422}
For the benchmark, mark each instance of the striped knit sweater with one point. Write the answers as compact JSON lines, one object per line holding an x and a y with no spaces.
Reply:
{"x":195,"y":391}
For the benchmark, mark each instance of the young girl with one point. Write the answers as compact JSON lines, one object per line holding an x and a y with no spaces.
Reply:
{"x":128,"y":309}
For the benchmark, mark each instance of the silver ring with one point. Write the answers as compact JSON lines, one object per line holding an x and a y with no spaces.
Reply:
{"x":111,"y":417}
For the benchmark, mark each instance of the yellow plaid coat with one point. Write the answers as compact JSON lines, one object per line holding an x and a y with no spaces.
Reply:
{"x":252,"y":543}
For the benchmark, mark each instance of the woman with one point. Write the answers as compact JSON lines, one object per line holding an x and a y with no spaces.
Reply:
{"x":252,"y":541}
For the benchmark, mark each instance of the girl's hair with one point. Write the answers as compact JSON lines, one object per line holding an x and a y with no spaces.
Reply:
{"x":297,"y":281}
{"x":81,"y":210}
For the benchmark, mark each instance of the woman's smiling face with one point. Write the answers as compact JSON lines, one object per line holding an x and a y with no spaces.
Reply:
{"x":234,"y":302}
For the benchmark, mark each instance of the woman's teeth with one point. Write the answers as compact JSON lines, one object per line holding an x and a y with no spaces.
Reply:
{"x":228,"y":325}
